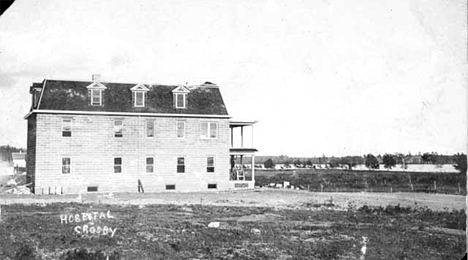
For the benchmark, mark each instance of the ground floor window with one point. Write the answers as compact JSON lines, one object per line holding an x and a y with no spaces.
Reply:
{"x":180,"y":164}
{"x":66,"y":165}
{"x":170,"y":186}
{"x":212,"y":186}
{"x":149,"y":164}
{"x":117,"y":164}
{"x":210,"y":164}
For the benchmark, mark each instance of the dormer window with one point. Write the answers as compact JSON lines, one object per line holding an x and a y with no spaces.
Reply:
{"x":180,"y":97}
{"x":139,"y":95}
{"x":180,"y":100}
{"x":96,"y":93}
{"x":96,"y":97}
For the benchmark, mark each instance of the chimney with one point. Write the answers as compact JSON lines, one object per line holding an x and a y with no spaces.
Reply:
{"x":96,"y":77}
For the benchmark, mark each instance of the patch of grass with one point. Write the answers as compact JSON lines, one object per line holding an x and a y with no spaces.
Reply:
{"x":181,"y":232}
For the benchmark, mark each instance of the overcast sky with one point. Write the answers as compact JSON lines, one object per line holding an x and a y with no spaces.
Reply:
{"x":326,"y":77}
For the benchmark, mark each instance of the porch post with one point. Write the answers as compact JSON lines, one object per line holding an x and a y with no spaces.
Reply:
{"x":232,"y":136}
{"x":242,"y":136}
{"x":253,"y":170}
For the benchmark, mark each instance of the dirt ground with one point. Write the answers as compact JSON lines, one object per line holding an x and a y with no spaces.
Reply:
{"x":264,"y":197}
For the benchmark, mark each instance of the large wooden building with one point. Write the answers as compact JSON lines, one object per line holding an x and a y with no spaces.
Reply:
{"x":94,"y":136}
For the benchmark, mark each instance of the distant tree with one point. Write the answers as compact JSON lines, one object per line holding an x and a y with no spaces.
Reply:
{"x":371,"y":162}
{"x":297,"y":162}
{"x":460,"y":162}
{"x":351,"y":161}
{"x":427,"y":158}
{"x":388,"y":161}
{"x":269,"y":164}
{"x":309,"y":162}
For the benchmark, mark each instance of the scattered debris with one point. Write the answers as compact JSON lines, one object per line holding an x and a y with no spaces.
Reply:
{"x":19,"y":190}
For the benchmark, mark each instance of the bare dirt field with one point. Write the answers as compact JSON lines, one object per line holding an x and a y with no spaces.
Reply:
{"x":264,"y":197}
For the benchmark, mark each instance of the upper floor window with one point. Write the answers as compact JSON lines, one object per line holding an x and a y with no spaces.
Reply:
{"x":66,"y":127}
{"x":209,"y":130}
{"x":150,"y":128}
{"x":66,"y":165}
{"x":96,"y":93}
{"x":118,"y":128}
{"x":139,"y":95}
{"x":180,"y":129}
{"x":180,"y":97}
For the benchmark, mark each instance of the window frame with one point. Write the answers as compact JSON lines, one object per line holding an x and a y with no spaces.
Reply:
{"x":208,"y":167}
{"x":183,"y":129}
{"x":115,"y":128}
{"x":65,"y":166}
{"x":118,"y":165}
{"x":214,"y":186}
{"x":149,"y":165}
{"x":207,"y":134}
{"x":170,"y":187}
{"x":63,"y":127}
{"x":99,"y":95}
{"x":180,"y":167}
{"x":148,"y":123}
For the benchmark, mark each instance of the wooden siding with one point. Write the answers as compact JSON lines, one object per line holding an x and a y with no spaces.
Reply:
{"x":92,"y":148}
{"x":31,"y":154}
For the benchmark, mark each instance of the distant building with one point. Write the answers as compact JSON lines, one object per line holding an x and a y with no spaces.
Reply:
{"x":95,"y":136}
{"x":19,"y":159}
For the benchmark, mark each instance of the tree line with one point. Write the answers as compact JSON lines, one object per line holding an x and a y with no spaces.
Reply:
{"x":388,"y":161}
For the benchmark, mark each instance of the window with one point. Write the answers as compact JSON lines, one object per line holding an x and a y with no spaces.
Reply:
{"x":209,"y":130}
{"x":66,"y":165}
{"x":149,"y":164}
{"x":92,"y":188}
{"x":150,"y":128}
{"x":180,"y":100}
{"x":139,"y":97}
{"x":117,"y":164}
{"x":96,"y":97}
{"x":66,"y":127}
{"x":212,"y":186}
{"x":118,"y":128}
{"x":170,"y":186}
{"x":180,"y":164}
{"x":180,"y":129}
{"x":210,"y":164}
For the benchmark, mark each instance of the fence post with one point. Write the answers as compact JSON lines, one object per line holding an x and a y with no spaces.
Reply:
{"x":435,"y":185}
{"x":321,"y":187}
{"x":391,"y":189}
{"x":308,"y":187}
{"x":459,"y":191}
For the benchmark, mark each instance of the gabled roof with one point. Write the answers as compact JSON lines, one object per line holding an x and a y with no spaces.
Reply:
{"x":64,"y":95}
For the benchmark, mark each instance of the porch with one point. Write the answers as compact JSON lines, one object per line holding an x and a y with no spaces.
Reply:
{"x":242,"y":155}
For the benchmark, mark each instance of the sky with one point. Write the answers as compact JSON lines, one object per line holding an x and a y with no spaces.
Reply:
{"x":322,"y":77}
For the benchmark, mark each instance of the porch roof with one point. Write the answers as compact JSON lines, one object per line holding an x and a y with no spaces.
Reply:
{"x":242,"y":150}
{"x":239,"y":123}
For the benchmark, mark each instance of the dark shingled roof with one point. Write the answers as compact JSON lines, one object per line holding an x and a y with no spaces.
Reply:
{"x":73,"y":95}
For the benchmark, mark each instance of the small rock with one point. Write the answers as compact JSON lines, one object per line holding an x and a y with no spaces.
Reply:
{"x":256,"y":231}
{"x":213,"y":225}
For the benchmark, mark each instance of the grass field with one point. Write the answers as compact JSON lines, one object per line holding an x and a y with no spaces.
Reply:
{"x":309,"y":229}
{"x":375,"y":181}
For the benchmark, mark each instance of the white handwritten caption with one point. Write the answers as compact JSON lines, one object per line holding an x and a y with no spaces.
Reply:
{"x":89,"y":228}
